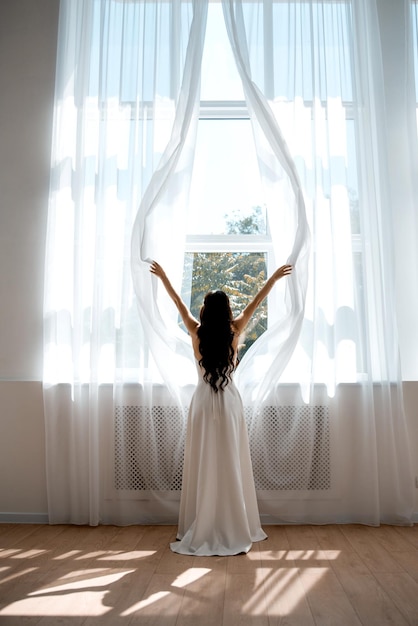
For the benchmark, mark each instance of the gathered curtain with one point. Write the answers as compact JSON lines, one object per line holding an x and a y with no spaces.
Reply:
{"x":322,"y":386}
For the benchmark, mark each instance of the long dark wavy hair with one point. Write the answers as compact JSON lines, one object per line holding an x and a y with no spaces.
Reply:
{"x":215,"y":340}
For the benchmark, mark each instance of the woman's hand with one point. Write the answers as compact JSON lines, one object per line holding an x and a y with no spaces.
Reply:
{"x":284,"y":270}
{"x":157,"y":270}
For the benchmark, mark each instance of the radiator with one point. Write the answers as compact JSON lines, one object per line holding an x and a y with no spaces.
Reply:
{"x":290,"y":448}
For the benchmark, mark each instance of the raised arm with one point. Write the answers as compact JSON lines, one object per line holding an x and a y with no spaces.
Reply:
{"x":244,"y":317}
{"x":190,"y":322}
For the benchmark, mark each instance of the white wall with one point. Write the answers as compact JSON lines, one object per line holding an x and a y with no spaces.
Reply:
{"x":22,"y":453}
{"x":28,"y":35}
{"x":28,"y":31}
{"x":402,"y":171}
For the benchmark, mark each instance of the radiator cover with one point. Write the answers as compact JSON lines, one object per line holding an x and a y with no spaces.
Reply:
{"x":290,"y":448}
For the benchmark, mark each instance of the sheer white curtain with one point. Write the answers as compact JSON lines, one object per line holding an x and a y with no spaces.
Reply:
{"x":325,"y":412}
{"x":286,"y":214}
{"x":159,"y":230}
{"x":325,"y":86}
{"x":127,"y":87}
{"x":322,"y":73}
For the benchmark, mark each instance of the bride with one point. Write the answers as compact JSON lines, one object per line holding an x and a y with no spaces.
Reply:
{"x":218,"y":507}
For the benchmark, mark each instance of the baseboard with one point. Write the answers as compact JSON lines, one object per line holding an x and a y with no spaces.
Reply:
{"x":24,"y":518}
{"x":42,"y":518}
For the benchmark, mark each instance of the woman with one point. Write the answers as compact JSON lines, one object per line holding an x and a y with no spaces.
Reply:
{"x":218,"y":506}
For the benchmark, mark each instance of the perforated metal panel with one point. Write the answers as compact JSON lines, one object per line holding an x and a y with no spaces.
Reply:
{"x":149,"y":448}
{"x":290,"y":448}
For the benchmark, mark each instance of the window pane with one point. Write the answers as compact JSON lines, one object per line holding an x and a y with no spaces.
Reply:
{"x":298,"y":29}
{"x":226,"y":181}
{"x":239,"y":274}
{"x":127,"y":31}
{"x":220,"y":78}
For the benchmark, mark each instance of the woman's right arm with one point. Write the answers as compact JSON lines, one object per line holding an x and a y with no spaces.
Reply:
{"x":244,"y":317}
{"x":190,"y":322}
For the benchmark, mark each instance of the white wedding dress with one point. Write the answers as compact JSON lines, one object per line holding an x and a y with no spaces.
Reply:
{"x":218,"y":508}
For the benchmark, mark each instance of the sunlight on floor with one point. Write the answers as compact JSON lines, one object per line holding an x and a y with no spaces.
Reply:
{"x":76,"y":604}
{"x":72,"y":597}
{"x":83,"y":592}
{"x":126,"y":556}
{"x":28,"y":554}
{"x":78,"y":580}
{"x":155,"y":597}
{"x":184,"y":579}
{"x":190,"y":576}
{"x":67,"y":555}
{"x":280,"y":584}
{"x":298,"y":555}
{"x":79,"y":589}
{"x":264,"y":582}
{"x":18,"y":574}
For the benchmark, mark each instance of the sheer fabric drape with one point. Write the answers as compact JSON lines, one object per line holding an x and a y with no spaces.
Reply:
{"x":127,"y":87}
{"x":322,"y":386}
{"x":324,"y":83}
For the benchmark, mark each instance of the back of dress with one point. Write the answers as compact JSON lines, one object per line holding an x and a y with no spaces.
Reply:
{"x":218,"y":507}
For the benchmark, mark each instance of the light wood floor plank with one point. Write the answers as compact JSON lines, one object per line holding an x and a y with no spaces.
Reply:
{"x":302,"y":537}
{"x":137,"y":567}
{"x":245,"y":563}
{"x":390,"y":539}
{"x":245,"y":599}
{"x":287,"y":604}
{"x":408,"y":561}
{"x":160,"y":603}
{"x":371,"y":602}
{"x":204,"y":597}
{"x":403,"y":590}
{"x":327,"y":599}
{"x":346,"y":561}
{"x":276,"y":539}
{"x":410,"y":533}
{"x":368,"y":546}
{"x":176,"y":564}
{"x":332,"y":538}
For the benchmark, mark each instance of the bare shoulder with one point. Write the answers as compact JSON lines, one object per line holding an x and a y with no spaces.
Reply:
{"x":195,"y":341}
{"x":237,"y":330}
{"x":238,"y":324}
{"x":190,"y":322}
{"x":194,"y":329}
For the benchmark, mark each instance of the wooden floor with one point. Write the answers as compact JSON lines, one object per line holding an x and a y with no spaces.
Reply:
{"x":334,"y":575}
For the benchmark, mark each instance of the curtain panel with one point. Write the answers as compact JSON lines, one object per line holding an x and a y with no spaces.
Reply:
{"x":322,"y":386}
